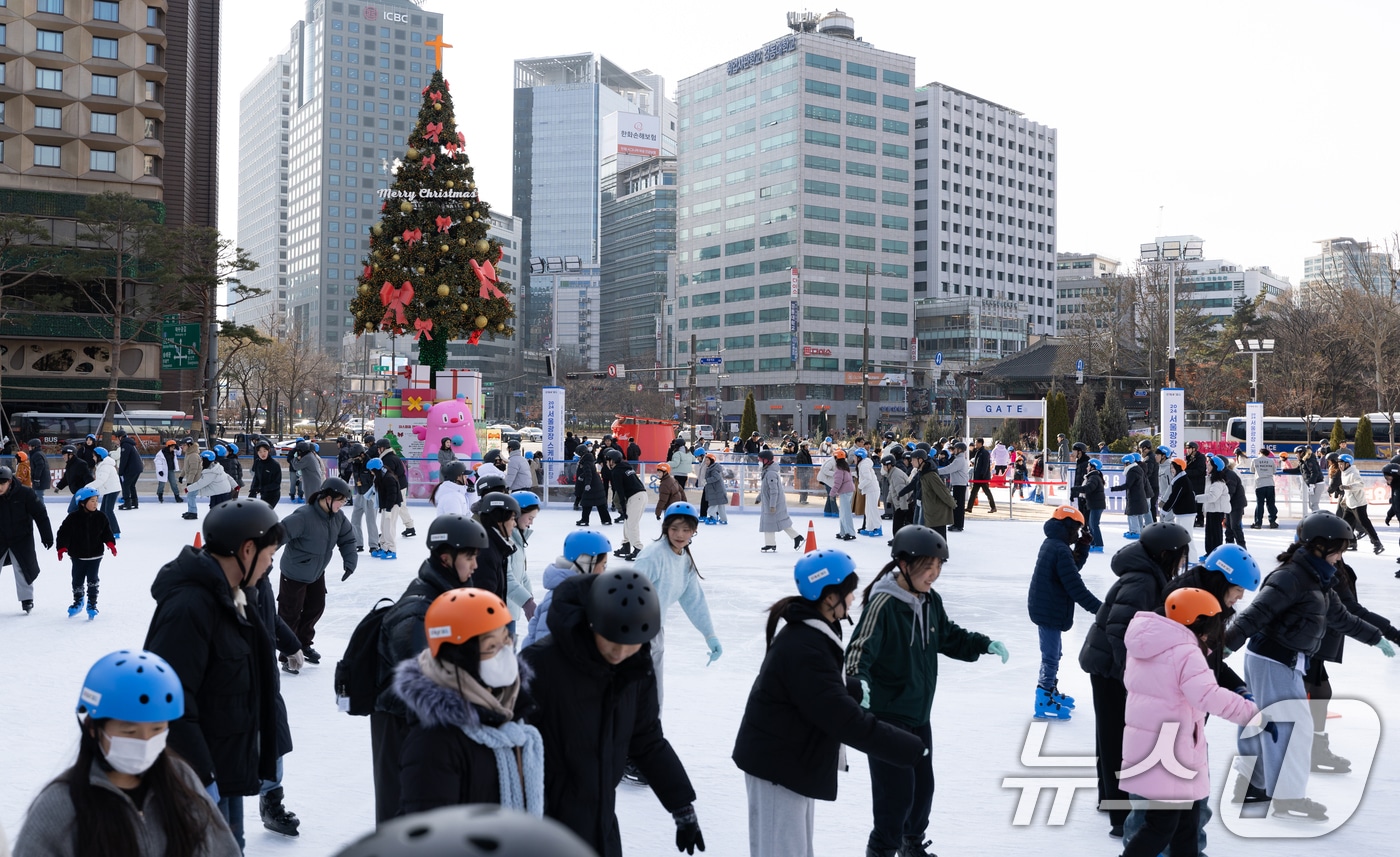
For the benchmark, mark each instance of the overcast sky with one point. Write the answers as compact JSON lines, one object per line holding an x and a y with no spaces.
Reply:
{"x":1259,"y":126}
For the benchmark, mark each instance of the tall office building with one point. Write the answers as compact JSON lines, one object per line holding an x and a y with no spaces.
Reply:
{"x":639,"y":246}
{"x":1083,"y":282}
{"x":263,"y":152}
{"x":795,"y":172}
{"x":985,"y":228}
{"x":356,"y":73}
{"x":98,"y":95}
{"x":562,"y":104}
{"x":1345,"y":263}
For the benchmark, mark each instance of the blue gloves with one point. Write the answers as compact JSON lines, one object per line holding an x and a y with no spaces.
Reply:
{"x":865,"y":693}
{"x":998,"y":649}
{"x":213,"y":790}
{"x":715,"y":651}
{"x":1386,"y":648}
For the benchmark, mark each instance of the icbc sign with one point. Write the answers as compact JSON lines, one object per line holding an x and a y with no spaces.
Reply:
{"x":372,"y":14}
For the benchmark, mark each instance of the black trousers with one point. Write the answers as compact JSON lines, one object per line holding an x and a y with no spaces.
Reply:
{"x":1215,"y":529}
{"x":300,"y":605}
{"x":1234,"y":527}
{"x":959,"y":501}
{"x":986,"y":489}
{"x":899,"y":518}
{"x":902,"y":796}
{"x":1264,"y":497}
{"x":129,"y":490}
{"x":603,"y":515}
{"x":1318,"y":685}
{"x":1110,"y":701}
{"x":386,"y":734}
{"x":1178,"y":828}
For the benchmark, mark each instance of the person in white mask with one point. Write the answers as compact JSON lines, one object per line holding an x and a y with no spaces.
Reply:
{"x":465,"y":741}
{"x":125,"y":794}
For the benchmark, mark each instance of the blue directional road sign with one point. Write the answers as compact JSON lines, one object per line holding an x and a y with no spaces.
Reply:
{"x":938,"y":359}
{"x":711,"y":361}
{"x":1079,"y":365}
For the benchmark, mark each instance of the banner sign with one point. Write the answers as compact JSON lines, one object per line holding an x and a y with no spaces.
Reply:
{"x":1253,"y":428}
{"x":552,"y":421}
{"x":1174,"y":419}
{"x":1006,"y":409}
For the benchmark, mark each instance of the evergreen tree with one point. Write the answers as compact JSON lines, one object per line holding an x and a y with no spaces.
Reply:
{"x":1339,"y":436}
{"x":748,"y":423}
{"x":1086,"y":420}
{"x":1113,"y":418}
{"x":430,"y":272}
{"x":1365,"y":438}
{"x":1057,"y":418}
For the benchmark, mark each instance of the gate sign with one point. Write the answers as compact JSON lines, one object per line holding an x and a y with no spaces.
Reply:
{"x":1174,"y":419}
{"x":1253,"y":428}
{"x":1006,"y":409}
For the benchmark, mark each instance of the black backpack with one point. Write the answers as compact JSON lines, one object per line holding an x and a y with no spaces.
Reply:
{"x":358,"y":676}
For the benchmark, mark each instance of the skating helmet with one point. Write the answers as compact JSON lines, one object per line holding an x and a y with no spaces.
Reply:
{"x":471,"y":830}
{"x":623,"y":608}
{"x":820,"y":569}
{"x":333,"y":487}
{"x":374,"y":464}
{"x":491,"y":482}
{"x":303,"y":447}
{"x":1164,"y":543}
{"x":1095,"y":464}
{"x":491,"y":456}
{"x":527,"y":499}
{"x":85,"y":494}
{"x":220,"y":450}
{"x":1188,"y":604}
{"x":100,"y":452}
{"x":69,"y":450}
{"x":1346,"y":458}
{"x":861,"y":453}
{"x":1236,"y":564}
{"x":614,"y":455}
{"x":1217,"y":462}
{"x":585,"y":543}
{"x":228,"y":525}
{"x":457,"y":532}
{"x":681,"y":509}
{"x":1324,"y":530}
{"x":1080,"y":446}
{"x":838,"y":452}
{"x":6,"y":474}
{"x":1164,"y":450}
{"x":458,"y":615}
{"x":453,"y":470}
{"x":136,"y":686}
{"x":207,"y":455}
{"x":1179,"y":462}
{"x":233,"y":449}
{"x":663,"y":468}
{"x":914,"y":541}
{"x":1068,"y":513}
{"x":496,"y":507}
{"x":765,"y":454}
{"x":1391,"y":470}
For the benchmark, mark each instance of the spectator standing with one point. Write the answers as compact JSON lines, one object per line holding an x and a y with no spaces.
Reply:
{"x":129,"y":468}
{"x":981,"y":460}
{"x":20,"y":512}
{"x":519,"y":476}
{"x":167,"y":471}
{"x":1265,"y":466}
{"x":39,"y":477}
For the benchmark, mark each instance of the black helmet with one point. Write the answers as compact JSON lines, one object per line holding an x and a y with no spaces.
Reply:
{"x":1392,"y":470}
{"x":914,"y":540}
{"x":342,"y":440}
{"x":456,"y":532}
{"x":303,"y":447}
{"x":897,"y":450}
{"x":34,"y":443}
{"x":1163,"y":538}
{"x":228,"y":525}
{"x":614,"y":455}
{"x":765,"y":454}
{"x":1333,"y":456}
{"x":334,"y":486}
{"x":383,"y":443}
{"x":6,"y":474}
{"x":472,"y":830}
{"x":356,"y":450}
{"x":1321,"y":527}
{"x":1080,"y":446}
{"x":513,"y":445}
{"x":496,"y":507}
{"x":623,"y":608}
{"x":490,"y":482}
{"x":452,"y":470}
{"x":919,"y":453}
{"x":924,"y":445}
{"x":491,"y":457}
{"x":368,"y":438}
{"x":887,"y":461}
{"x":1394,"y":459}
{"x":69,"y":449}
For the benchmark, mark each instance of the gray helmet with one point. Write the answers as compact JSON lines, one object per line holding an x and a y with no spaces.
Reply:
{"x":473,"y":830}
{"x":623,"y":608}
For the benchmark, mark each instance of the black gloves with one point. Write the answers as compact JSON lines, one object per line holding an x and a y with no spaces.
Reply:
{"x":346,"y":576}
{"x":1390,"y":632}
{"x":688,"y":836}
{"x":48,"y":544}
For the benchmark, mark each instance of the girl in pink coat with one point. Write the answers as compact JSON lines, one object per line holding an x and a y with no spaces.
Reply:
{"x":1170,"y":688}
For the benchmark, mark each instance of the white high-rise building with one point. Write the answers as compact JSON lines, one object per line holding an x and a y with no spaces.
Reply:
{"x":264,"y":111}
{"x":1345,"y":263}
{"x":985,"y":224}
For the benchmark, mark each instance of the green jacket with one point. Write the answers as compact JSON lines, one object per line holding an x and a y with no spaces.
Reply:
{"x":937,"y":498}
{"x":895,"y":650}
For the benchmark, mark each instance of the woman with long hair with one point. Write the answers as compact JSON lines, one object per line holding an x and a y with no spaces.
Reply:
{"x":1216,"y":501}
{"x":802,"y":709}
{"x":127,"y":795}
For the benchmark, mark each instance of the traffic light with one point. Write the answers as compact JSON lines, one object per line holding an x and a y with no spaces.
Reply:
{"x":571,"y":376}
{"x":600,"y":375}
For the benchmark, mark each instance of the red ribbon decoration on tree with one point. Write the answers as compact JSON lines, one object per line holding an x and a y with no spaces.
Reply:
{"x":435,"y":96}
{"x":368,"y":271}
{"x":424,"y":327}
{"x":461,"y":139}
{"x":395,"y":300}
{"x":486,"y":275}
{"x":475,"y":337}
{"x":412,"y":236}
{"x":451,"y":149}
{"x":444,"y":223}
{"x":429,"y":162}
{"x":432,"y":131}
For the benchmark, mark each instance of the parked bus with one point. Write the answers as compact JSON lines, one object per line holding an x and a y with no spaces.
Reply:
{"x":150,"y":428}
{"x":1286,"y":434}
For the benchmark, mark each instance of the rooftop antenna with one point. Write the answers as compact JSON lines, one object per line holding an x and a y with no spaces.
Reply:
{"x":1161,"y":209}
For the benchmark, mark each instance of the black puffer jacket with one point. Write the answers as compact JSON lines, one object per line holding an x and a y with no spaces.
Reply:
{"x":1239,"y":501}
{"x":84,"y":534}
{"x":39,"y":478}
{"x":595,"y":492}
{"x":401,"y":635}
{"x":492,"y":563}
{"x":226,"y":664}
{"x":982,"y":465}
{"x":1148,"y":465}
{"x":267,"y":479}
{"x":1055,"y":583}
{"x":77,"y":474}
{"x":438,"y":764}
{"x":1293,"y":611}
{"x":284,"y":639}
{"x":1197,"y":577}
{"x":1141,"y":585}
{"x":1196,"y":473}
{"x":1345,"y":586}
{"x":801,"y":710}
{"x":20,"y":510}
{"x":1092,"y":491}
{"x":131,"y":466}
{"x":1182,"y":499}
{"x":1136,"y":487}
{"x":593,"y":716}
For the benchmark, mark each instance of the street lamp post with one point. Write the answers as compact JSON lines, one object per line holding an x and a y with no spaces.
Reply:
{"x":1171,"y":252}
{"x":865,"y":353}
{"x":1254,"y":347}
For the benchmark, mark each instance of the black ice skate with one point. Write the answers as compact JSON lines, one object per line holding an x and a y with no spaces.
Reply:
{"x":632,"y":774}
{"x":1324,"y":760}
{"x":275,"y":816}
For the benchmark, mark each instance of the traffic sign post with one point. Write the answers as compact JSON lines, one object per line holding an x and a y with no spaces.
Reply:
{"x":711,"y":361}
{"x":179,"y":347}
{"x":1079,"y":370}
{"x":938,"y":359}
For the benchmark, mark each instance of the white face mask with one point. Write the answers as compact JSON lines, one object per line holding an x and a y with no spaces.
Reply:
{"x":501,"y":670}
{"x":133,"y":755}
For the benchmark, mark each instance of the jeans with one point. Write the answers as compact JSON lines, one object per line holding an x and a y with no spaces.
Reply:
{"x":269,"y":785}
{"x":1093,"y":520}
{"x":1262,"y":497}
{"x":191,"y":499}
{"x":109,"y":505}
{"x":902,"y":796}
{"x":1050,"y":651}
{"x":173,"y":480}
{"x":367,"y":507}
{"x":1136,"y":523}
{"x":231,"y":808}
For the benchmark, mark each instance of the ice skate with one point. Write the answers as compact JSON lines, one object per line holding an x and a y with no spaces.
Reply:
{"x":878,"y":532}
{"x":1324,"y":761}
{"x":915,"y":846}
{"x":1299,"y":808}
{"x":797,"y":542}
{"x":768,"y":549}
{"x":312,"y":656}
{"x":409,"y":533}
{"x":1046,"y":708}
{"x":275,"y":816}
{"x":1066,"y":701}
{"x":77,"y":606}
{"x":27,"y":606}
{"x":286,"y":666}
{"x":92,"y":602}
{"x":389,"y":555}
{"x":632,"y":774}
{"x":624,"y":552}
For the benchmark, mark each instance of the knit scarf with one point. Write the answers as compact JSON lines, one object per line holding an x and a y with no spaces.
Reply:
{"x":1324,"y":569}
{"x":521,"y":777}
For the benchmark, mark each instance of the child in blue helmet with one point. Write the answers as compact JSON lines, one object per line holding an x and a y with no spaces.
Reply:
{"x":82,"y":536}
{"x":1091,"y":492}
{"x":136,"y":798}
{"x":520,"y":595}
{"x":585,"y":552}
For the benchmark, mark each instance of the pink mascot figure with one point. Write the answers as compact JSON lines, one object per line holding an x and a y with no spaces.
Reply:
{"x":451,"y":419}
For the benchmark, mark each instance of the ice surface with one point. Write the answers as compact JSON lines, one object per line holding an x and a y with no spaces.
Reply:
{"x":980,"y":716}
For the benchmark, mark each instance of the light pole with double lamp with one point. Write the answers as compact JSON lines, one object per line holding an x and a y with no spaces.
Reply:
{"x":1254,"y":347}
{"x":865,"y":352}
{"x":1172,"y":252}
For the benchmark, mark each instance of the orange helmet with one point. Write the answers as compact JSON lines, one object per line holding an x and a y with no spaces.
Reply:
{"x":838,"y":453}
{"x":22,"y":456}
{"x":663,"y":468}
{"x":1069,"y":512}
{"x":457,"y":615}
{"x":1188,"y":604}
{"x":1179,"y":462}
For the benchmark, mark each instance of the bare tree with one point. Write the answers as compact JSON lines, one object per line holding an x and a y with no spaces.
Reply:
{"x":1310,"y":374}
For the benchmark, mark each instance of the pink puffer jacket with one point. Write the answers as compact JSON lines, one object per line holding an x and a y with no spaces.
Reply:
{"x":1170,"y":685}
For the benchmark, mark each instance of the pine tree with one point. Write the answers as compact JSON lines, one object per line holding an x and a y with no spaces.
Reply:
{"x":430,"y":272}
{"x":1113,"y":418}
{"x":1339,"y":436}
{"x":748,"y":423}
{"x":1086,"y":420}
{"x":1058,"y":418}
{"x":1365,"y":438}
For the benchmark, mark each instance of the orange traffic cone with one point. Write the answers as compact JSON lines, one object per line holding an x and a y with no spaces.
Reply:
{"x":198,"y":541}
{"x":811,"y":538}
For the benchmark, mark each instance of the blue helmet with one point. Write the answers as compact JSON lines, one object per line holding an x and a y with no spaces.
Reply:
{"x":86,"y":493}
{"x":315,"y":447}
{"x":1218,"y":462}
{"x":529,"y":456}
{"x":374,"y":464}
{"x":233,"y":449}
{"x":92,"y":437}
{"x":585,"y":543}
{"x":1096,"y":464}
{"x":860,"y":452}
{"x":1347,"y":457}
{"x":828,"y":439}
{"x":820,"y":569}
{"x":1131,"y":458}
{"x":136,"y":686}
{"x":735,"y":440}
{"x":527,"y":499}
{"x":220,"y":450}
{"x":100,"y":452}
{"x":1165,"y":450}
{"x":681,"y":508}
{"x":207,"y":455}
{"x":911,"y":446}
{"x":1236,"y":564}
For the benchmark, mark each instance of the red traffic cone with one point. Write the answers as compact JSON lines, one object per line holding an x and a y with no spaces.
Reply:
{"x":811,"y":538}
{"x":198,"y":541}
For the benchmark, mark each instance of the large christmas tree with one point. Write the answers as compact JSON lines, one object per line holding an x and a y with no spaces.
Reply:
{"x":430,"y":273}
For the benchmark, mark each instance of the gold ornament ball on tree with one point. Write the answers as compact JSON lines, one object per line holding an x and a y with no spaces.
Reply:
{"x":462,"y":241}
{"x":483,"y":246}
{"x":451,"y":183}
{"x":444,"y":291}
{"x":364,"y":288}
{"x":466,"y":308}
{"x":377,"y":229}
{"x":420,"y":271}
{"x":444,"y":248}
{"x":501,"y":326}
{"x":405,"y":206}
{"x":411,"y":154}
{"x":482,"y":321}
{"x":437,"y":105}
{"x":396,"y":257}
